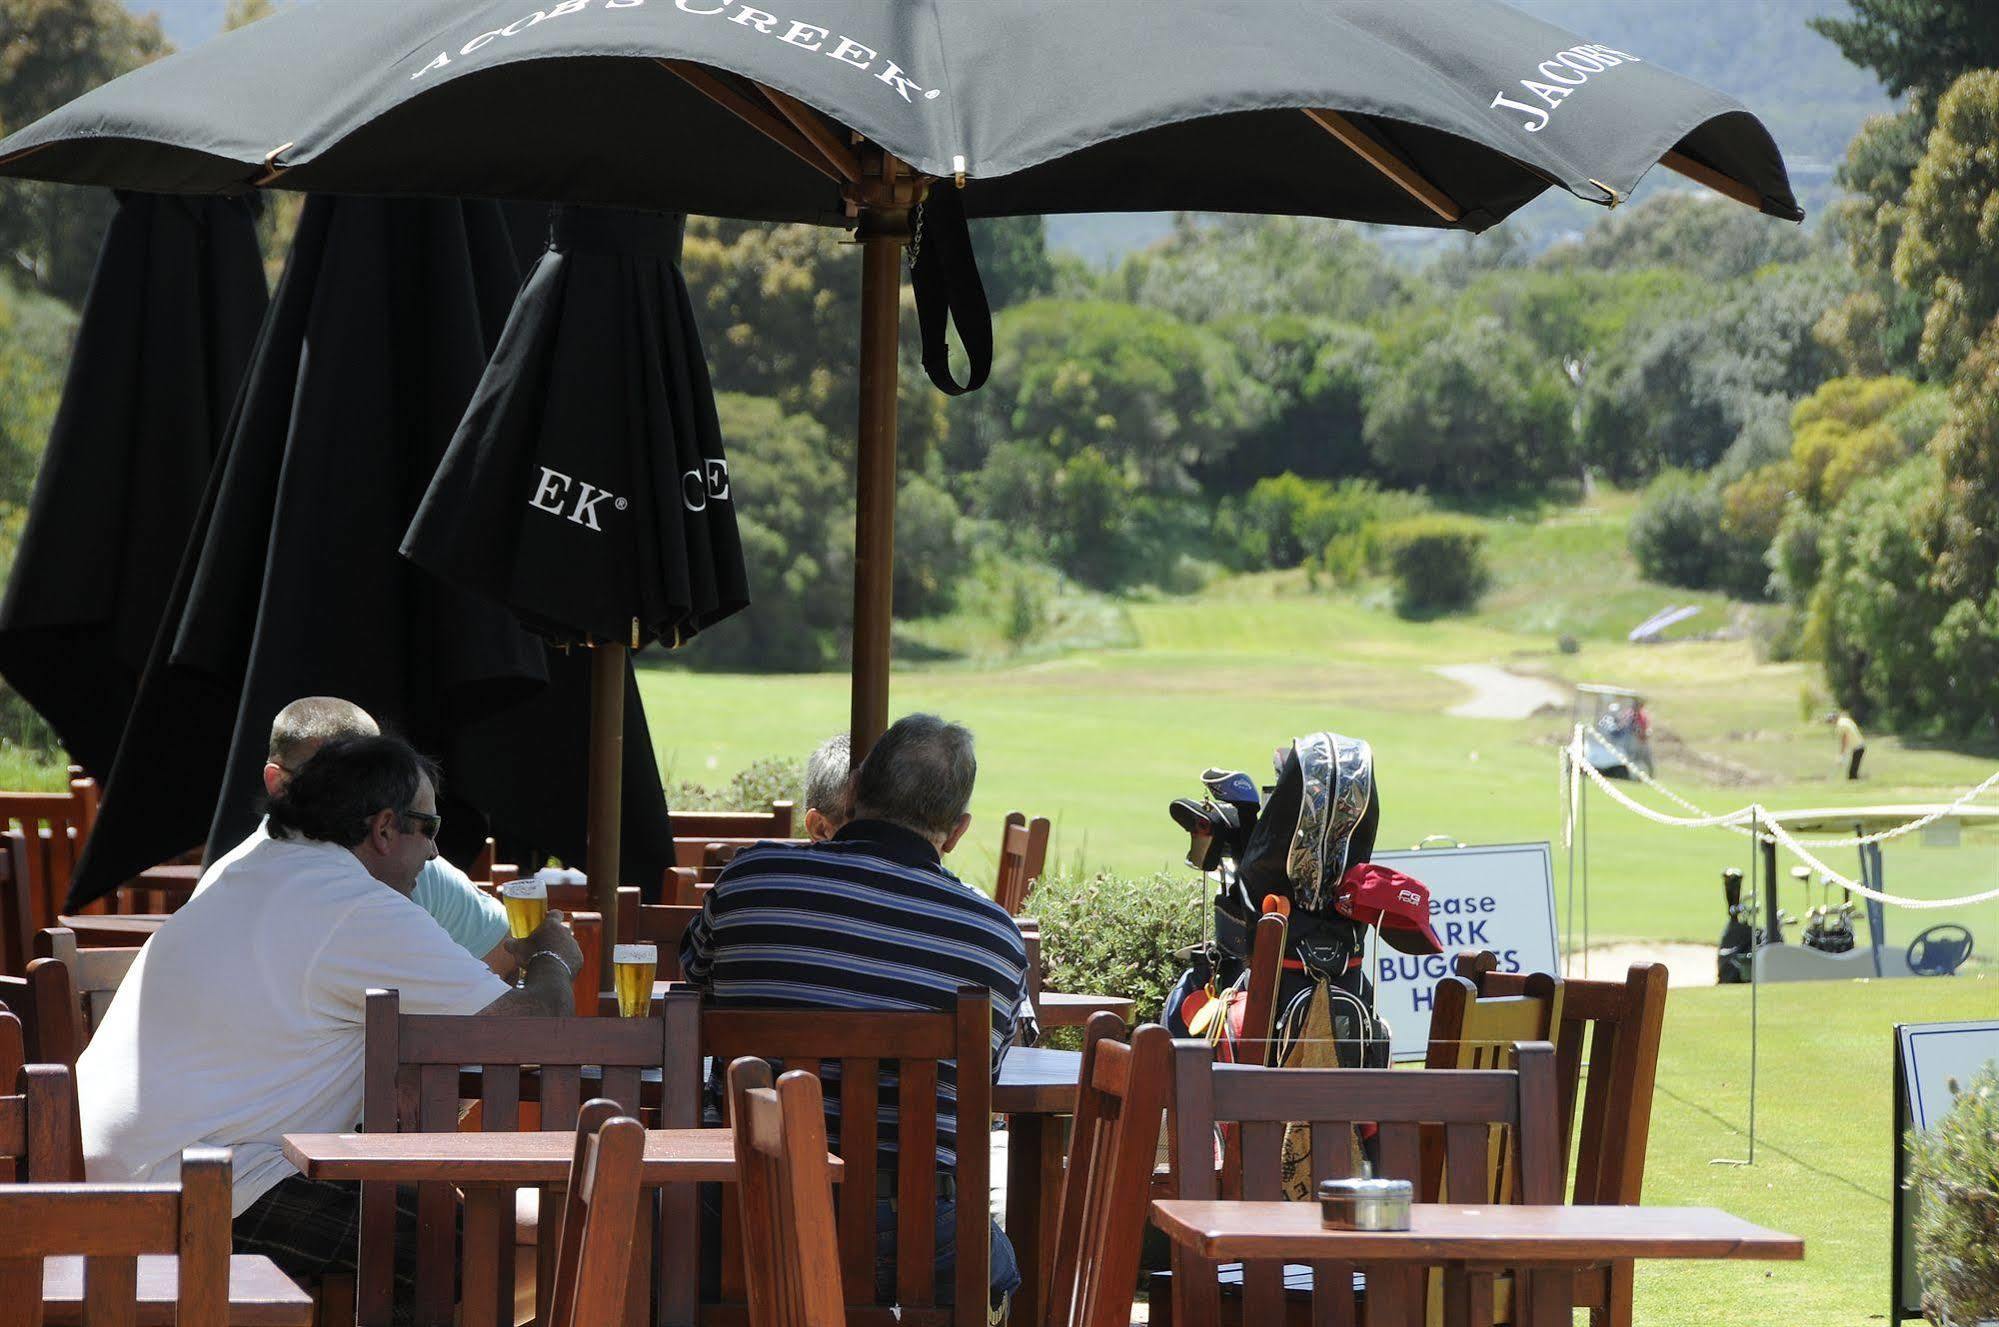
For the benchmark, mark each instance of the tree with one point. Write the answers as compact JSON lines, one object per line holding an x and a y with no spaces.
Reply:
{"x":1147,"y":392}
{"x":1013,"y":259}
{"x":51,"y":52}
{"x":1471,"y":407}
{"x":1319,"y":373}
{"x":1949,"y":249}
{"x":1839,"y":436}
{"x":1699,"y":378}
{"x":1917,"y":46}
{"x":780,"y":313}
{"x":1700,"y":233}
{"x":1220,"y":268}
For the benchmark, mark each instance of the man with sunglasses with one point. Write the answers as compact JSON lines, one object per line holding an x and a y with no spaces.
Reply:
{"x":243,"y":1018}
{"x":472,"y":918}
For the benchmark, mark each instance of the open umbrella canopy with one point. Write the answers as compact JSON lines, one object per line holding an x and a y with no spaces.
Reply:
{"x":171,"y":317}
{"x":1043,"y":105}
{"x":586,"y":488}
{"x":292,"y":584}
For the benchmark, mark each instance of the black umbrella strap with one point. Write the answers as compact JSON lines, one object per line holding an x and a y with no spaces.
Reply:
{"x":945,"y":276}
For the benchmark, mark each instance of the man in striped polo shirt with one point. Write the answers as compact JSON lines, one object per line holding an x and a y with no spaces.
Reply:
{"x":870,"y":919}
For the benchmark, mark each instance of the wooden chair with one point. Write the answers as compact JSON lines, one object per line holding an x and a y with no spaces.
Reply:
{"x":785,"y":1198}
{"x":45,"y":1005}
{"x":94,"y":975}
{"x":708,"y":856}
{"x":662,"y":925}
{"x":36,"y":1122}
{"x":110,"y":1225}
{"x":1266,"y":973}
{"x":1622,"y":1021}
{"x":54,"y":826}
{"x":1056,"y":1009}
{"x":1023,"y":854}
{"x":412,"y":1083}
{"x":808,"y":1039}
{"x":600,"y":1219}
{"x":1107,"y":1190}
{"x":681,"y":885}
{"x":708,"y":826}
{"x":13,"y":1047}
{"x":17,"y":907}
{"x":1465,"y":1105}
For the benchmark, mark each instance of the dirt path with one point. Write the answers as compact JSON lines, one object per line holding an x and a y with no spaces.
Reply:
{"x":1499,"y":694}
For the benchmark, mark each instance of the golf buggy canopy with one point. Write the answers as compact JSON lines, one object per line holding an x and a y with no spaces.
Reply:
{"x":1616,"y":730}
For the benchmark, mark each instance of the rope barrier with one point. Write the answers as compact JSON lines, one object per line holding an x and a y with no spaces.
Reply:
{"x":1753,"y":820}
{"x":1848,"y":841}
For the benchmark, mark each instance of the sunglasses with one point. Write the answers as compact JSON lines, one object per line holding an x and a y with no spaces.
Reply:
{"x":427,"y":824}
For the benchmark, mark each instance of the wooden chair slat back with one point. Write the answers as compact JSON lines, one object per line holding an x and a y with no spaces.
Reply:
{"x":1470,"y":1030}
{"x":600,"y":1219}
{"x":1266,"y":970}
{"x":412,"y":1081}
{"x":708,"y":826}
{"x":707,"y":856}
{"x":680,"y":885}
{"x":36,"y":1124}
{"x":54,"y":826}
{"x":18,"y":883}
{"x":13,"y":1047}
{"x":95,"y":974}
{"x":1023,"y":856}
{"x":663,"y":925}
{"x":786,"y":1197}
{"x":110,"y":1226}
{"x":809,"y":1040}
{"x":1470,"y":1106}
{"x":1107,"y":1188}
{"x":42,"y":1001}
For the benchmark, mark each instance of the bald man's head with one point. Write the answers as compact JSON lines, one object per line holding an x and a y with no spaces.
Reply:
{"x":302,"y":725}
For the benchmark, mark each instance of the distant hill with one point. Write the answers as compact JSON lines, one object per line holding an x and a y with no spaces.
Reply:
{"x":1759,"y":51}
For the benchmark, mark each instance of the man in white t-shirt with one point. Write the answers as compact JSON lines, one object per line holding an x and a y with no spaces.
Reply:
{"x":242,"y":1019}
{"x":473,"y":918}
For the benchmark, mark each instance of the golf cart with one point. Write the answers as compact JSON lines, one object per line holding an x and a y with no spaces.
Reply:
{"x":1828,"y":948}
{"x":1616,"y":732}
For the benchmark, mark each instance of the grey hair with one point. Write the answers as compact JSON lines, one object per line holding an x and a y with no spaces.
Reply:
{"x":919,"y":775}
{"x":826,"y":777}
{"x":315,"y":719}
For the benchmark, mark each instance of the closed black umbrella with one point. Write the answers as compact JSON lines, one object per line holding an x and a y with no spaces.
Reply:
{"x":294,"y":586}
{"x":172,"y":313}
{"x":586,"y":488}
{"x":858,"y":112}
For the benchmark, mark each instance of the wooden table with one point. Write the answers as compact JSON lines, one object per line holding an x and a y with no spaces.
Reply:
{"x":1035,"y":1087}
{"x":1551,"y":1241}
{"x":1056,"y":1009}
{"x":487,"y":1166}
{"x":259,"y":1294}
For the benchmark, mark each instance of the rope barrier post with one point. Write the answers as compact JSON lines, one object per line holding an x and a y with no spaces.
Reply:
{"x":1756,"y":971}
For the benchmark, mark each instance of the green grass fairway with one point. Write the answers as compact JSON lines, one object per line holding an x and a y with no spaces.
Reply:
{"x":1824,"y":1141}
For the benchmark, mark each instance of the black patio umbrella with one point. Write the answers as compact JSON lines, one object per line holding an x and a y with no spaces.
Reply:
{"x":171,"y":315}
{"x":855,"y":112}
{"x":293,"y":584}
{"x":586,"y":487}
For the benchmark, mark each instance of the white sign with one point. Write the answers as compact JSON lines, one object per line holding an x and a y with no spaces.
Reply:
{"x":1928,"y":1057}
{"x":1500,"y":898}
{"x":1935,"y":1053}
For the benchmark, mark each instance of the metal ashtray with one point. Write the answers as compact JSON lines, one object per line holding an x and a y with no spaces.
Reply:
{"x":1366,"y":1204}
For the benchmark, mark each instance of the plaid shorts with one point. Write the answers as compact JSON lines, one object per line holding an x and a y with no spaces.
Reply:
{"x":312,"y":1229}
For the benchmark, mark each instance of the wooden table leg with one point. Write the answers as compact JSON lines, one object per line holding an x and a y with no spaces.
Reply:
{"x":480,"y":1302}
{"x":1467,"y":1296}
{"x":1026,"y":1205}
{"x":1552,"y":1293}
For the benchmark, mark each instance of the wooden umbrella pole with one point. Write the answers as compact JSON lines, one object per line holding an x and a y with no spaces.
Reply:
{"x":883,"y":231}
{"x":607,"y":786}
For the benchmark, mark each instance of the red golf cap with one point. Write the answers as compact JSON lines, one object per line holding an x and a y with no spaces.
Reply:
{"x":1399,"y":904}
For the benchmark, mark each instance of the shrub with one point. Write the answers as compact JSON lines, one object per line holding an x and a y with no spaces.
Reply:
{"x":1438,"y":563}
{"x":1954,"y":1168}
{"x":1116,"y":935}
{"x":758,"y":784}
{"x":1674,"y":531}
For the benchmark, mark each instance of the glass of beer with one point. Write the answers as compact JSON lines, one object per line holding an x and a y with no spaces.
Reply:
{"x":527,"y":906}
{"x":632,"y":969}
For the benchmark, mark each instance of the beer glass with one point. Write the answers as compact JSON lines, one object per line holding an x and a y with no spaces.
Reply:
{"x":527,"y":906}
{"x":632,"y":969}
